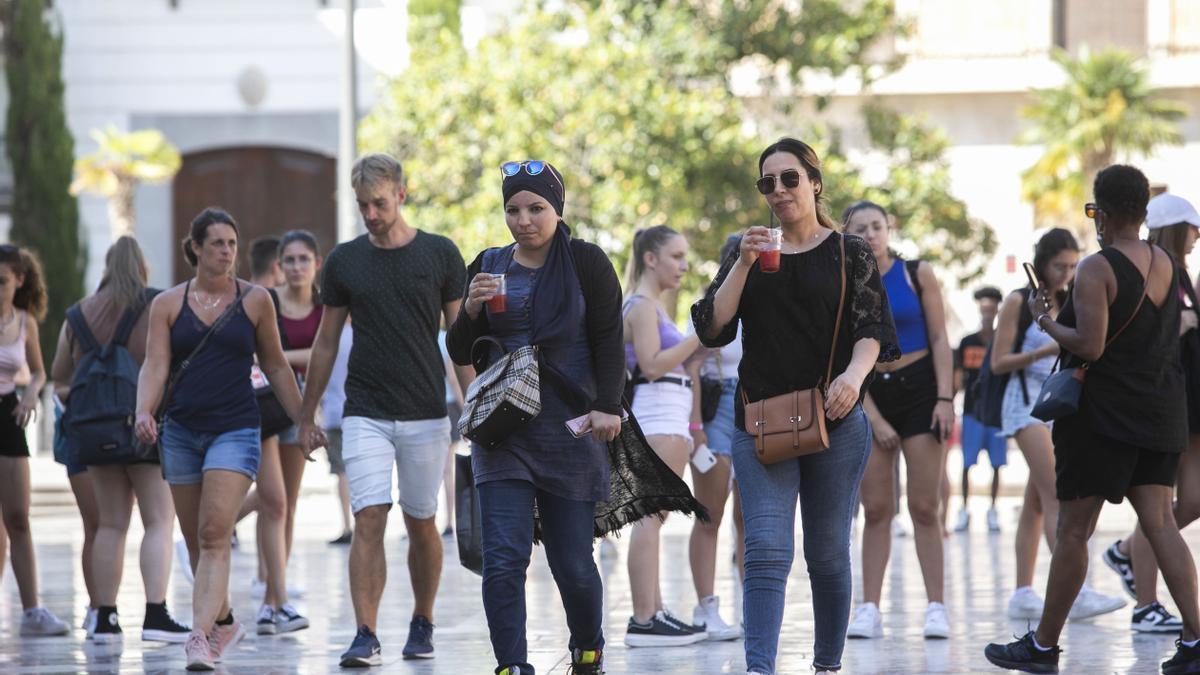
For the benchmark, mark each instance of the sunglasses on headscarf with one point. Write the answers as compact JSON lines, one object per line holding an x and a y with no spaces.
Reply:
{"x":532,"y":167}
{"x":789,"y":178}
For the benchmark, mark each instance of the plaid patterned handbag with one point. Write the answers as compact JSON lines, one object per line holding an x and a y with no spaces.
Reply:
{"x":504,"y":397}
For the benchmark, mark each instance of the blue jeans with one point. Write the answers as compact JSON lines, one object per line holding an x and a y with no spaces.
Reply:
{"x":506,"y":507}
{"x":827,"y":485}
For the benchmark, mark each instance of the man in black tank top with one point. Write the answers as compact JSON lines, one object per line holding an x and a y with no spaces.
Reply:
{"x":1125,"y":439}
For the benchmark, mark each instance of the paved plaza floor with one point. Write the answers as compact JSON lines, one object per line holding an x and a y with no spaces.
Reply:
{"x":978,"y":582}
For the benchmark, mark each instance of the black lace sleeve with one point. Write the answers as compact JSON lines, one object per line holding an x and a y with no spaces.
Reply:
{"x":870,"y":314}
{"x":702,"y":311}
{"x":462,"y":335}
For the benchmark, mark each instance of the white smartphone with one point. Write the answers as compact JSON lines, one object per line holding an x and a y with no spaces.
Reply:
{"x":703,"y":459}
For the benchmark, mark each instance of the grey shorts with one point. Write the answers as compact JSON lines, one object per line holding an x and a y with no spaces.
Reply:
{"x":417,"y":449}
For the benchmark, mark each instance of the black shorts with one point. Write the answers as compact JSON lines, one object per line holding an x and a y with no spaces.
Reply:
{"x":1087,"y":464}
{"x":906,"y":398}
{"x":12,"y":436}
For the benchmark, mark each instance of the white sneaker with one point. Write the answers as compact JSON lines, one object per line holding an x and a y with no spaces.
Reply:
{"x":89,"y":621}
{"x":183,"y":561}
{"x":707,"y":615}
{"x":1025,"y":603}
{"x":937,"y":626}
{"x":38,"y":621}
{"x":1090,"y":604}
{"x":867,"y":623}
{"x":963,"y":522}
{"x":898,"y":529}
{"x":993,"y":519}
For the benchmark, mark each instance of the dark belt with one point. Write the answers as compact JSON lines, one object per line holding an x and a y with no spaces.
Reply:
{"x":668,"y":380}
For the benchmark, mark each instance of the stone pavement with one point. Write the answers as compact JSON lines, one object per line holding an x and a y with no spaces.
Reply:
{"x":979,"y":580}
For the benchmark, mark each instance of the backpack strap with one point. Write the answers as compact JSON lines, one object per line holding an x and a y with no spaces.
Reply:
{"x":87,"y":340}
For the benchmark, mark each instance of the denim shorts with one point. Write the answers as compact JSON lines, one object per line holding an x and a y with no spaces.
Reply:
{"x":721,"y":427}
{"x":414,"y":451}
{"x":187,"y":454}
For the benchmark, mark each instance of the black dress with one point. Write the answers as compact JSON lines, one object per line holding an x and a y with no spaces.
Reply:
{"x":1131,"y":426}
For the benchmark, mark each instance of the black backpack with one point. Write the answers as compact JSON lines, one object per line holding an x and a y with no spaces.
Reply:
{"x":989,"y":387}
{"x":102,"y":402}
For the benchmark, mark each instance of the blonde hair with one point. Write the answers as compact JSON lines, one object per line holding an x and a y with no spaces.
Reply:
{"x":125,"y":272}
{"x":375,"y":168}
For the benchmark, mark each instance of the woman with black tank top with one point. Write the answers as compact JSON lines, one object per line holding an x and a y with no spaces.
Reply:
{"x":210,"y":440}
{"x":1126,"y":437}
{"x":789,"y":320}
{"x":911,"y":408}
{"x":1174,"y":226}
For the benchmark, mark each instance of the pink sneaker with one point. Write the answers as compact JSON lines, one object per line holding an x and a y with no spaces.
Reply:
{"x":199,"y":655}
{"x":224,"y":638}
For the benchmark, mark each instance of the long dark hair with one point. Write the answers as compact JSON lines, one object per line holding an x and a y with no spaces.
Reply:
{"x":199,"y":230}
{"x":310,"y":242}
{"x":812,"y":167}
{"x":31,"y":295}
{"x":1051,"y":244}
{"x":1173,"y":240}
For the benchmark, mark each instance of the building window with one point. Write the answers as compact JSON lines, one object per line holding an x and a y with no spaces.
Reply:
{"x":1100,"y":24}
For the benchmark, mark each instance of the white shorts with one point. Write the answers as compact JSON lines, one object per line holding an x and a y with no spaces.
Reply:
{"x":418,"y":449}
{"x":663,"y":409}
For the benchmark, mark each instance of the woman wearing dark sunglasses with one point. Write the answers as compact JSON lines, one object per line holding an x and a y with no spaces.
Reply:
{"x":1126,"y":437}
{"x":562,"y":295}
{"x":787,"y":320}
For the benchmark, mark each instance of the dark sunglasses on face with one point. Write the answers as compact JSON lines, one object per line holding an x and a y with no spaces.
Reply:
{"x":1090,"y":210}
{"x":532,"y":167}
{"x":789,"y":178}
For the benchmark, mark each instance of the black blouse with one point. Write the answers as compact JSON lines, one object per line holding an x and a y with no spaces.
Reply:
{"x":787,"y":319}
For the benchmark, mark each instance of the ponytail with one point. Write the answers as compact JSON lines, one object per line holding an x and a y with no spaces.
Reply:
{"x":649,"y":240}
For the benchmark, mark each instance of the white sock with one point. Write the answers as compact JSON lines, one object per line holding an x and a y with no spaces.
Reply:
{"x":1192,"y":643}
{"x":1039,"y":647}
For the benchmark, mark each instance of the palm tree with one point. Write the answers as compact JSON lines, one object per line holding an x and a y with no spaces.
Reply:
{"x":1106,"y":109}
{"x":122,"y":161}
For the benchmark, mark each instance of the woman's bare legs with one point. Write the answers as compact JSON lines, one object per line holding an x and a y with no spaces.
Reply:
{"x":643,"y":561}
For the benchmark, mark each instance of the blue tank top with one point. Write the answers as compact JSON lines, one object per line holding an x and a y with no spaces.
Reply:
{"x":214,"y":395}
{"x":906,"y":310}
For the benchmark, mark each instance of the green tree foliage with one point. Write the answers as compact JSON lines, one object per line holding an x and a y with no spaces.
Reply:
{"x":45,"y":216}
{"x":623,"y":103}
{"x":1105,"y":111}
{"x":427,"y":18}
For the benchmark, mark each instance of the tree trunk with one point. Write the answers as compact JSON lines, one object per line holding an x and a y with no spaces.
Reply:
{"x":120,"y":209}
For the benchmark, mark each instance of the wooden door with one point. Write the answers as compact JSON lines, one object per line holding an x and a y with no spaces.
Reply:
{"x":266,"y":190}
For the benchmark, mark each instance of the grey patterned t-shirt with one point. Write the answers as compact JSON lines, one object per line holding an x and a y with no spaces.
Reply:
{"x":395,"y":296}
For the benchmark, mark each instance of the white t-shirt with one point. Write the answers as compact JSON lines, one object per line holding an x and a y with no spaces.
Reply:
{"x":335,"y":393}
{"x":731,"y":356}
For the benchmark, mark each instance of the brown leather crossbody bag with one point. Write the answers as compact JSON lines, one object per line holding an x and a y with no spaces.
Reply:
{"x":793,"y":424}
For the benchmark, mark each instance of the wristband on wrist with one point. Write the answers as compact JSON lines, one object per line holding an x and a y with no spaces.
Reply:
{"x":946,"y":399}
{"x":695,"y":426}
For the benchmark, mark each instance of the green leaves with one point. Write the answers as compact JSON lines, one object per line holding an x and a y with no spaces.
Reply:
{"x":1106,"y":110}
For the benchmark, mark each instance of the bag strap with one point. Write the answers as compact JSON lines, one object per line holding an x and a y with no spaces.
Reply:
{"x":87,"y":340}
{"x":837,"y":324}
{"x":183,"y":365}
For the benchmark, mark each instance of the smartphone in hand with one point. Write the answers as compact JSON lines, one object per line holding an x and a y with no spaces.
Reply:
{"x":580,"y":426}
{"x":1032,"y":274}
{"x":703,"y":459}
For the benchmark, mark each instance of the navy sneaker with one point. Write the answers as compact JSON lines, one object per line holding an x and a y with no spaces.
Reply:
{"x":1023,"y":655}
{"x":420,"y":639}
{"x":1186,"y":660}
{"x":1122,"y":565}
{"x":364,"y":651}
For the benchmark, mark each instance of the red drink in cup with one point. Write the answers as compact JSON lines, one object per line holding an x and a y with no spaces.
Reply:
{"x":499,"y":302}
{"x":768,"y":258}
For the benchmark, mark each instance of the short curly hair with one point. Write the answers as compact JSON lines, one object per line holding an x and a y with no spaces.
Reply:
{"x":1122,"y":192}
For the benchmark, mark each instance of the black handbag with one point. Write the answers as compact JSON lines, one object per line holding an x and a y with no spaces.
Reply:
{"x":1061,"y":392}
{"x":711,"y":389}
{"x":468,"y":520}
{"x":275,"y":419}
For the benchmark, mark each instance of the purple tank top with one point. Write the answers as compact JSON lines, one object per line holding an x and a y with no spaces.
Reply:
{"x":668,"y":335}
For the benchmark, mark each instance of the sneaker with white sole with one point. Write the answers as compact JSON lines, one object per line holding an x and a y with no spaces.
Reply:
{"x":1122,"y":565}
{"x":224,"y":637}
{"x":160,"y":626}
{"x":867,"y":623}
{"x":1154,"y":618}
{"x":669,"y":616}
{"x":198,"y":651}
{"x":993,"y":520}
{"x":963,"y":522}
{"x":659,"y":632}
{"x":707,"y":616}
{"x":288,"y":620}
{"x":183,"y":561}
{"x":266,"y":621}
{"x":89,"y":621}
{"x":1025,"y":604}
{"x":937,"y":625}
{"x":40,"y":622}
{"x":108,"y":628}
{"x":1089,"y":604}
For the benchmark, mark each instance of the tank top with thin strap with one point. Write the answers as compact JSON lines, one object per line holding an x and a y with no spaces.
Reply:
{"x":668,"y":335}
{"x":1134,"y":393}
{"x":214,"y":395}
{"x":12,"y":356}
